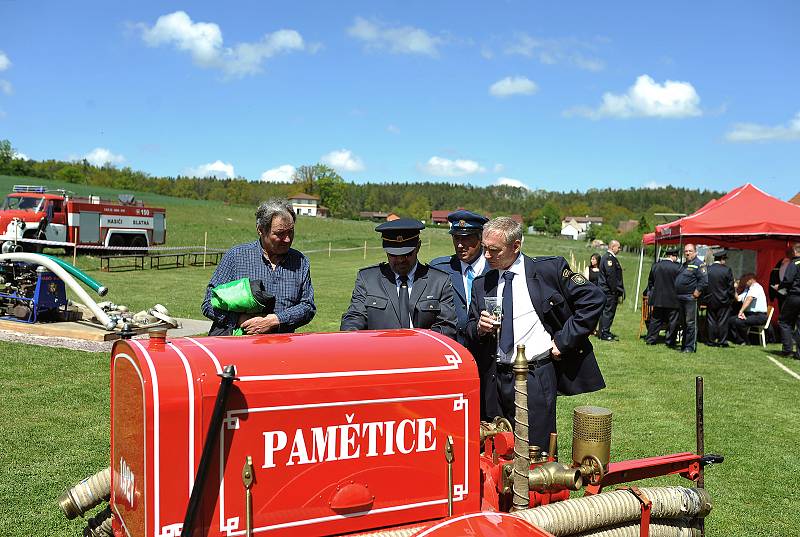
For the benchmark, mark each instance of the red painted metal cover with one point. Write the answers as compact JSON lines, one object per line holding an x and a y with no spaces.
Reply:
{"x":347,"y":431}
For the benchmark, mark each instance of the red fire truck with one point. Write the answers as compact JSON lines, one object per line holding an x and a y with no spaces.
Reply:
{"x":363,"y":433}
{"x":33,"y":212}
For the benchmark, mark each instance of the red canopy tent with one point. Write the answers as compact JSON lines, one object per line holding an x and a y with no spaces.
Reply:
{"x":746,"y":218}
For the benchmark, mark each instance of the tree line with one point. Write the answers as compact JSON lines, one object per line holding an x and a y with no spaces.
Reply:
{"x":543,"y":210}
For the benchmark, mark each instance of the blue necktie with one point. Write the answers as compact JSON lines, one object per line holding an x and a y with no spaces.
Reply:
{"x":470,"y":276}
{"x":507,"y":322}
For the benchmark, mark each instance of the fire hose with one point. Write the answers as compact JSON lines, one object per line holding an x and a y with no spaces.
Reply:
{"x":610,"y":514}
{"x":579,"y":515}
{"x":90,"y":282}
{"x":67,"y":278}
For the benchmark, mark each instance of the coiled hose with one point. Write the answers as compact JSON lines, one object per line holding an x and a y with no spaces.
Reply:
{"x":615,"y":508}
{"x":610,"y":514}
{"x":658,"y":528}
{"x":90,"y":282}
{"x":86,"y":494}
{"x":100,"y":525}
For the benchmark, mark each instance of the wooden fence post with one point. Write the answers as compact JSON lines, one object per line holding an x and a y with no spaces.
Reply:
{"x":205,"y":247}
{"x":75,"y":247}
{"x":365,"y":249}
{"x":329,"y":250}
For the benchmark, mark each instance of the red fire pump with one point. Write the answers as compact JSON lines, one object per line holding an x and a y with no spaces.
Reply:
{"x":347,"y":433}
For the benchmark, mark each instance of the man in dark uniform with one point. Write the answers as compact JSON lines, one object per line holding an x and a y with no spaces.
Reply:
{"x":401,"y":293}
{"x":467,"y":263}
{"x":610,"y":281}
{"x":661,"y":285}
{"x":546,"y":307}
{"x":690,"y":284}
{"x":790,"y":312}
{"x":721,"y":296}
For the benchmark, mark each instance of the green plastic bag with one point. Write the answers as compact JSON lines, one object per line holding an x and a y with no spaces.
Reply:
{"x":236,"y":296}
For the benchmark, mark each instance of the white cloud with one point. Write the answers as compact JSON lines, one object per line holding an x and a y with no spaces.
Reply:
{"x":6,"y":87}
{"x":653,"y":185}
{"x":394,"y":129}
{"x":513,"y":85}
{"x":204,"y":42}
{"x":19,"y":155}
{"x":5,"y":63}
{"x":281,"y":174}
{"x":218,"y":169}
{"x":752,"y":132}
{"x":399,"y":40}
{"x":444,"y":167}
{"x":508,"y":181}
{"x":343,"y":160}
{"x":647,"y":98}
{"x":554,"y":51}
{"x":101,"y":156}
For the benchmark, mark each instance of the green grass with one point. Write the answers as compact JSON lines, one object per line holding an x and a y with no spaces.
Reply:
{"x":54,"y":422}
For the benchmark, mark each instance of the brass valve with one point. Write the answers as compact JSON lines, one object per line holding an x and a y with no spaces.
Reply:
{"x":551,"y":476}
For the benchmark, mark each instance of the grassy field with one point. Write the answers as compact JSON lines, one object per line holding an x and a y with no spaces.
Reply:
{"x":55,"y":419}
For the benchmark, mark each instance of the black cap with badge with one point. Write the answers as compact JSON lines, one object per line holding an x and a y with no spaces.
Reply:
{"x":720,"y":254}
{"x":400,"y":236}
{"x":466,"y":223}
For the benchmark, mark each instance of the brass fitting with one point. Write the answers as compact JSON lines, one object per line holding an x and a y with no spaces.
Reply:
{"x":591,"y":438}
{"x":496,"y":426}
{"x":551,"y":476}
{"x":522,"y":458}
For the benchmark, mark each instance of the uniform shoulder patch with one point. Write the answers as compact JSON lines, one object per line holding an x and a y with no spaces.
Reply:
{"x":567,"y":273}
{"x":610,"y":263}
{"x":703,"y":268}
{"x":578,"y":279}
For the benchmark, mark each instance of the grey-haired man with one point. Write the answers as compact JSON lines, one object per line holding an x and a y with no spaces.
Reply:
{"x":285,"y":272}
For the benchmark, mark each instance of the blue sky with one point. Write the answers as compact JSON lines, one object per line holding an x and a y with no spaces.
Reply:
{"x":557,"y":96}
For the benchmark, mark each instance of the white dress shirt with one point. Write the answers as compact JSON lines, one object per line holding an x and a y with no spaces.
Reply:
{"x":759,"y":302}
{"x":528,"y":328}
{"x":477,"y":269}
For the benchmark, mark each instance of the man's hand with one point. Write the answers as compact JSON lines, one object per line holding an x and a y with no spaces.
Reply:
{"x":741,"y":315}
{"x":554,"y":352}
{"x":486,"y":324}
{"x":261,"y":325}
{"x":696,"y":293}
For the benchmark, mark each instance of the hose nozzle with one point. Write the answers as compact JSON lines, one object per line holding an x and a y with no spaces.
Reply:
{"x":86,"y":494}
{"x":554,"y":476}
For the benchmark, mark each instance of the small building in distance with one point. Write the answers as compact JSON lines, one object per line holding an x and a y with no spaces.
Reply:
{"x":440,"y":217}
{"x":306,"y":204}
{"x":577,"y":226}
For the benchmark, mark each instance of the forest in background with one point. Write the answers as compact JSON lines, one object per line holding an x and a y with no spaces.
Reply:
{"x":541,"y":209}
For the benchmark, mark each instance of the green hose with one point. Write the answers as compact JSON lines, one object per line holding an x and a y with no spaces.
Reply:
{"x":82,"y":276}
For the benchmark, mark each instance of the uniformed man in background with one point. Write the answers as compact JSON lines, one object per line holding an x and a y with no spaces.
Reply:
{"x":720,"y":296}
{"x":610,"y":281}
{"x":661,"y":286}
{"x":790,"y":312}
{"x":401,"y":293}
{"x":466,"y":264}
{"x":690,"y":284}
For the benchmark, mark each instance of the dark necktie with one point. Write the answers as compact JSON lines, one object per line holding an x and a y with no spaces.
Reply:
{"x":507,"y":321}
{"x":405,"y":315}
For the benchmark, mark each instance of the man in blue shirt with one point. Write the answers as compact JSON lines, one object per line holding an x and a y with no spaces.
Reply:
{"x":284,"y":271}
{"x":465,"y":265}
{"x":690,"y":284}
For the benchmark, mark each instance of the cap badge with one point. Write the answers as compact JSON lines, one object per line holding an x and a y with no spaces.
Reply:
{"x":462,"y":223}
{"x":400,"y":238}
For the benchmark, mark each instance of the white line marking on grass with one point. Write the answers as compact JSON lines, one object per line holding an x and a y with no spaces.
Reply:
{"x":776,"y":362}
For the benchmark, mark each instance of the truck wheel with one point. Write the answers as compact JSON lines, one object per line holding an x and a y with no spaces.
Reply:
{"x":115,"y":241}
{"x":138,"y":241}
{"x":32,"y":247}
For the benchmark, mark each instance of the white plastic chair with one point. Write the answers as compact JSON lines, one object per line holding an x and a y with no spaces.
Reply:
{"x":760,"y":330}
